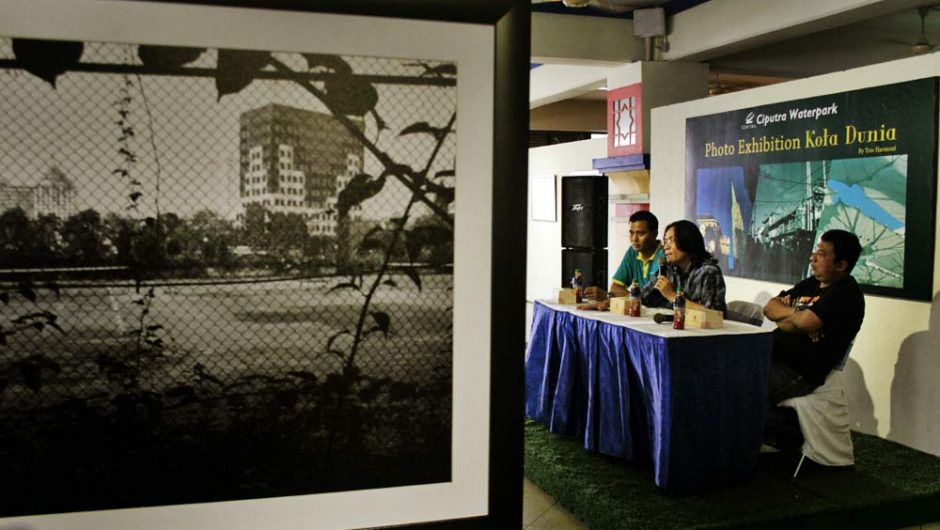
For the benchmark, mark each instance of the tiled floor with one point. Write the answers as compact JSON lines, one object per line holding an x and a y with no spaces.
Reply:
{"x":541,"y":512}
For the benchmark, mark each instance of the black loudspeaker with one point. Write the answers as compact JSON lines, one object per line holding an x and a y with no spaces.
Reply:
{"x":584,"y":212}
{"x":592,"y":262}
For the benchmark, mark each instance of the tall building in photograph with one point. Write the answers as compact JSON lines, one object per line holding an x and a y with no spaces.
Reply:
{"x":53,"y":195}
{"x":793,"y":222}
{"x":296,"y":161}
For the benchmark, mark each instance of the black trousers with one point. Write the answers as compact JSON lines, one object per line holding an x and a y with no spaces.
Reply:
{"x":786,"y":383}
{"x":782,"y":429}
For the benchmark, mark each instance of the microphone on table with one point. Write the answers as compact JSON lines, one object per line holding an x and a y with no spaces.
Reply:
{"x":659,"y":318}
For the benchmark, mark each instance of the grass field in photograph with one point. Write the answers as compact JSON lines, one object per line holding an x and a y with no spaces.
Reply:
{"x":229,"y":390}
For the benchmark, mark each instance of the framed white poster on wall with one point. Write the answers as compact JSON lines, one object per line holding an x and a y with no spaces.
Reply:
{"x":543,"y":198}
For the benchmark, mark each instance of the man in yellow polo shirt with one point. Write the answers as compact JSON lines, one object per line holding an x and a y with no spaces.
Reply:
{"x":639,"y":264}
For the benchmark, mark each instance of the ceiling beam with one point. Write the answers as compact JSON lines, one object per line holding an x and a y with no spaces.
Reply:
{"x":570,"y":115}
{"x":553,"y":82}
{"x":572,"y":39}
{"x":723,"y":27}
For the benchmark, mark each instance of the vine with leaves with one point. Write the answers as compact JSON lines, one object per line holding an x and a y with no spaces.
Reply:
{"x":345,"y":95}
{"x":146,"y":334}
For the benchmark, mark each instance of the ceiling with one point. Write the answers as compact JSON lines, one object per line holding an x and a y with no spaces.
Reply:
{"x":874,"y":40}
{"x":870,"y":32}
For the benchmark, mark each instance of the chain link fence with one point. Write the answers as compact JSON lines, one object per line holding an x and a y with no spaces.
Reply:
{"x":210,"y":256}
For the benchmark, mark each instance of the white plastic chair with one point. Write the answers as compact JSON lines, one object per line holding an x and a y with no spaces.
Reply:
{"x":824,"y":421}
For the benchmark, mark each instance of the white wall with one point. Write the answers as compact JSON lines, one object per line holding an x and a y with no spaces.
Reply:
{"x":543,"y":247}
{"x":893,"y":375}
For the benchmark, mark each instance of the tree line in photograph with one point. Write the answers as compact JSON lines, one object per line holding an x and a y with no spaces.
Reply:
{"x":201,"y":244}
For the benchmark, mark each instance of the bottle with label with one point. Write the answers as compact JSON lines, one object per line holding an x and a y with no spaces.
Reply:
{"x":577,"y":283}
{"x":678,"y":311}
{"x":635,"y":299}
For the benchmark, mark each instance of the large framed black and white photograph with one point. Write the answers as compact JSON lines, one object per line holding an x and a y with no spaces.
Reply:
{"x":246,"y":266}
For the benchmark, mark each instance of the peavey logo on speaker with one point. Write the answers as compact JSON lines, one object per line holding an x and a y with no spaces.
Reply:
{"x":577,"y":207}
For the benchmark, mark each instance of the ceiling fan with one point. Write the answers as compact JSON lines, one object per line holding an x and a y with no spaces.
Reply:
{"x":611,"y":6}
{"x":921,"y":45}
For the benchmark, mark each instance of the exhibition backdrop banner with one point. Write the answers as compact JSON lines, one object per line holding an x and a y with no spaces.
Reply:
{"x":764,"y":183}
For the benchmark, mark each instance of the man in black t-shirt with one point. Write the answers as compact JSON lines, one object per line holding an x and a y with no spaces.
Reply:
{"x":817,"y":319}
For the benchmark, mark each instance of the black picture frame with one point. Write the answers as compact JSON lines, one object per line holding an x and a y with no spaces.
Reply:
{"x":509,"y":22}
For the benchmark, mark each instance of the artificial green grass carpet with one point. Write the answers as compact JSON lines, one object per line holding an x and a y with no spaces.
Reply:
{"x":891,"y":486}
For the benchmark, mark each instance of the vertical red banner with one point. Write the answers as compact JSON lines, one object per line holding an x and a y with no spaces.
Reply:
{"x":625,"y":121}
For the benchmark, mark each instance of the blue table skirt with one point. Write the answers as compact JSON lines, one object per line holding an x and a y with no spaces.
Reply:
{"x":693,"y":406}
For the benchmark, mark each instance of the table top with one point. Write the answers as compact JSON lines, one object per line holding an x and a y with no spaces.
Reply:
{"x":645,"y":323}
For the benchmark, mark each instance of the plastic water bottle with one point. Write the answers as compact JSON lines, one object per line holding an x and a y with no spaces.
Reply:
{"x":577,"y":283}
{"x":635,"y":299}
{"x":678,"y":311}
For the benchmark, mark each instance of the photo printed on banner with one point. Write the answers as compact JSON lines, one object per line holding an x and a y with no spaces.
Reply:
{"x":764,"y":183}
